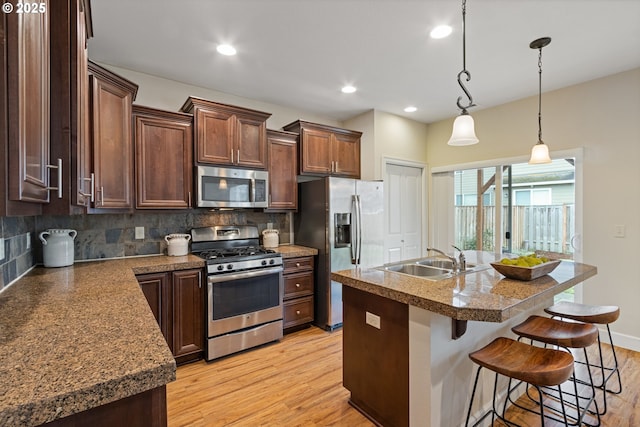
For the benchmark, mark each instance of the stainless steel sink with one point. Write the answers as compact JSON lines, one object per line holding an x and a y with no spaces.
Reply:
{"x":416,"y":270}
{"x":440,"y":263}
{"x":430,"y":268}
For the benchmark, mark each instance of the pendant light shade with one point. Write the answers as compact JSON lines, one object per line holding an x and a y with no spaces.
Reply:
{"x":540,"y":151}
{"x":539,"y":154}
{"x":463,"y":127}
{"x":463,"y":131}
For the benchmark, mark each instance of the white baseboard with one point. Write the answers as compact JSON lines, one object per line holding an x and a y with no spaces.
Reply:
{"x":621,"y":340}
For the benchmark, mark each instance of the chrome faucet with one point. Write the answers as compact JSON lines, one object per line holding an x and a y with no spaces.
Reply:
{"x":459,"y":264}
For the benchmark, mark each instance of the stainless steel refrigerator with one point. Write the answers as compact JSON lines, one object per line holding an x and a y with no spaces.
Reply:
{"x":342,"y":218}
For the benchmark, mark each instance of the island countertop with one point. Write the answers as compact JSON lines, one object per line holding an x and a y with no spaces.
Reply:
{"x":74,"y":338}
{"x":484,"y":295}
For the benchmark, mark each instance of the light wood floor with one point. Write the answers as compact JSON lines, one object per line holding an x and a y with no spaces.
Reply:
{"x":298,"y":382}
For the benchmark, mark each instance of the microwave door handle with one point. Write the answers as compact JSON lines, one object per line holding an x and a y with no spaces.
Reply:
{"x":253,"y":190}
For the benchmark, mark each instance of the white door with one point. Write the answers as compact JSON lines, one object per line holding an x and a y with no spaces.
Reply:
{"x":403,"y":204}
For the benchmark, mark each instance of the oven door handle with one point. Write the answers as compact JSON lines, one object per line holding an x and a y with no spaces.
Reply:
{"x":243,"y":274}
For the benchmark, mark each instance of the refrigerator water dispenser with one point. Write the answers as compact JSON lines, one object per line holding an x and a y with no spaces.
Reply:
{"x":342,"y":230}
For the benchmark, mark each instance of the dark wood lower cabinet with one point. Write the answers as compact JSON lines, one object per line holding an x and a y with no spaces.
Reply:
{"x":177,"y":301}
{"x":376,"y":360}
{"x":147,"y":409}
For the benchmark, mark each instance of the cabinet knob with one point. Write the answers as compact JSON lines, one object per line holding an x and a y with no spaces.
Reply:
{"x":297,"y":285}
{"x":298,"y":312}
{"x":297,"y":264}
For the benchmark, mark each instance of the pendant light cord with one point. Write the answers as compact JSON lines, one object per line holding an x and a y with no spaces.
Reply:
{"x":540,"y":96}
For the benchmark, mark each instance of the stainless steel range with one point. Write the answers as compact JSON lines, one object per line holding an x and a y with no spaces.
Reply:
{"x":244,"y":288}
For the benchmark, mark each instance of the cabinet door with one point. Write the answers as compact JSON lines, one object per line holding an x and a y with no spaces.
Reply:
{"x":315,"y":152}
{"x":345,"y":153}
{"x":163,"y":162}
{"x":188,"y":317}
{"x":28,"y":59}
{"x":283,"y":168}
{"x":251,"y":148}
{"x":155,"y":289}
{"x":83,"y":186}
{"x":112,"y":144}
{"x":215,"y":133}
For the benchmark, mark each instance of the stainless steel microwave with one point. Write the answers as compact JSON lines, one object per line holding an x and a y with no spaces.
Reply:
{"x":219,"y":187}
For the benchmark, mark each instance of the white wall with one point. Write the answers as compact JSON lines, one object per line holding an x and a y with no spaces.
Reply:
{"x":603,"y":116}
{"x":169,"y":95}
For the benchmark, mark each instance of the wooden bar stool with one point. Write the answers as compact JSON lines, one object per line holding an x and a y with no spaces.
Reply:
{"x":516,"y":360}
{"x":568,"y":335}
{"x":600,"y":315}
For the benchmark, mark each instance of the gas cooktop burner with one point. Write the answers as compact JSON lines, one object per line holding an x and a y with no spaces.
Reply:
{"x":213,"y":254}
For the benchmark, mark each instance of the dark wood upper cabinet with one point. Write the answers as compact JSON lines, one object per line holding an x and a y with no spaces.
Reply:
{"x":26,"y":44}
{"x":111,"y":138}
{"x":163,"y":158}
{"x":71,"y":28}
{"x":283,"y":169}
{"x":327,"y":150}
{"x":228,"y":136}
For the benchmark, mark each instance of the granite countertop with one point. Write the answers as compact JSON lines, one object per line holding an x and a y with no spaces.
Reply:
{"x":73,"y":338}
{"x":293,"y":251}
{"x":484,"y":295}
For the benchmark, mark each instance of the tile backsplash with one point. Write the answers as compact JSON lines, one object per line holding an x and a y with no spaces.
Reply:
{"x":113,"y":235}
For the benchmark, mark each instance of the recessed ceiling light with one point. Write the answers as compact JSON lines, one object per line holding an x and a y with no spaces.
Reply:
{"x":226,"y":49}
{"x":440,"y":32}
{"x":348,"y":89}
{"x":410,"y":109}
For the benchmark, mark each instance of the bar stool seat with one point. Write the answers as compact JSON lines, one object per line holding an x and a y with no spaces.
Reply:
{"x":569,"y":335}
{"x":601,"y":315}
{"x":557,"y":332}
{"x":516,"y":360}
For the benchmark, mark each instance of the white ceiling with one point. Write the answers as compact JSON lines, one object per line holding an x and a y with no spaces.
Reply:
{"x":298,"y":53}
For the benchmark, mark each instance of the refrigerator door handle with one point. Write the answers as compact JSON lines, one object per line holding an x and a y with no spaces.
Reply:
{"x":359,"y":207}
{"x":353,"y":230}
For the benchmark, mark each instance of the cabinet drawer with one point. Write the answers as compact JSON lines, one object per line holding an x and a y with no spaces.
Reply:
{"x":298,"y":284}
{"x":291,"y":265}
{"x":298,"y":311}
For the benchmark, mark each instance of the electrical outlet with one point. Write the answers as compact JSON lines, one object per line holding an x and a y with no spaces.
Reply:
{"x":29,"y":240}
{"x":372,"y":320}
{"x":139,"y":233}
{"x":619,"y":231}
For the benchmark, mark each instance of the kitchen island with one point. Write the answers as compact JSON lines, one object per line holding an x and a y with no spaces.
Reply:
{"x":406,"y":339}
{"x":81,"y":341}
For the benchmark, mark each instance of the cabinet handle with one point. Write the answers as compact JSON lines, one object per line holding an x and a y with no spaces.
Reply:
{"x":92,"y":193}
{"x":298,"y":312}
{"x":238,"y":156}
{"x":232,"y":155}
{"x":189,"y":198}
{"x":297,"y":285}
{"x":101,"y":196}
{"x":336,"y":166}
{"x":59,"y":187}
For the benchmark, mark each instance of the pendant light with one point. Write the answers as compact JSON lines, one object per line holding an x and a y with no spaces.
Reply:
{"x":463,"y":126}
{"x":540,"y":151}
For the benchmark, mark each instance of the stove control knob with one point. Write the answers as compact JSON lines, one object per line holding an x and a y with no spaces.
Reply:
{"x":220,"y":267}
{"x":229,"y":266}
{"x":271,"y":261}
{"x":264,"y":262}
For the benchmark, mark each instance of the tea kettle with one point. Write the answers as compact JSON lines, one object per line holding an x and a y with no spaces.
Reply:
{"x":57,"y":249}
{"x":270,"y":238}
{"x":177,"y":244}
